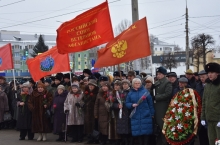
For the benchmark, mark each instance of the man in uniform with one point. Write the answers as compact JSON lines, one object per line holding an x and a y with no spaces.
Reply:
{"x":211,"y":102}
{"x":163,"y":90}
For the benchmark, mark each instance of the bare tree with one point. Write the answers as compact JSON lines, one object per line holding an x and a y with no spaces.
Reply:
{"x":169,"y":61}
{"x":177,"y":48}
{"x":123,"y":25}
{"x":203,"y":42}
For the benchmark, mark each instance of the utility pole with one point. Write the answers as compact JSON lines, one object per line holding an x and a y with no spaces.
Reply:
{"x":135,"y":17}
{"x":187,"y":38}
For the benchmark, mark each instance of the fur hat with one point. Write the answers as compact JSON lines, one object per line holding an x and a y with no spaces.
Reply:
{"x":183,"y":80}
{"x":149,"y":79}
{"x":212,"y":67}
{"x":97,"y":75}
{"x":58,"y":77}
{"x":86,"y":79}
{"x":48,"y":80}
{"x":161,"y":70}
{"x":117,"y":82}
{"x":92,"y":77}
{"x":75,"y":85}
{"x":92,"y":82}
{"x":87,"y":71}
{"x":61,"y":87}
{"x":39,"y":84}
{"x":131,"y":73}
{"x":106,"y":83}
{"x":116,"y":74}
{"x":125,"y":81}
{"x":103,"y":78}
{"x":66,"y":76}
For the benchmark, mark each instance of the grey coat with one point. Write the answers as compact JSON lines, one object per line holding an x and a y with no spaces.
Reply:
{"x":74,"y":117}
{"x":3,"y":105}
{"x":163,"y":90}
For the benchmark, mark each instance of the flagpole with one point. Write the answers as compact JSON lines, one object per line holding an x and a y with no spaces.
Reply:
{"x":119,"y":71}
{"x":13,"y":71}
{"x":151,"y":61}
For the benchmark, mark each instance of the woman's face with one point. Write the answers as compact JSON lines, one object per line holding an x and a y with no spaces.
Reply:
{"x":117,"y":87}
{"x":148,"y":85}
{"x":60,"y":91}
{"x":136,"y":85}
{"x":91,"y":87}
{"x":40,"y":89}
{"x":74,"y":89}
{"x":125,"y":86}
{"x":104,"y":88}
{"x":85,"y":82}
{"x":25,"y":89}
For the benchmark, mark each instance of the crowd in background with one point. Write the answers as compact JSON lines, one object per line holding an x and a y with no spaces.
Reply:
{"x":99,"y":109}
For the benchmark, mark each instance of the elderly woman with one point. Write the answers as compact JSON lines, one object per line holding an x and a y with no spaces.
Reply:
{"x":3,"y":105}
{"x":89,"y":97}
{"x":141,"y":122}
{"x":39,"y":103}
{"x":59,"y":115}
{"x":101,"y":111}
{"x":24,"y":114}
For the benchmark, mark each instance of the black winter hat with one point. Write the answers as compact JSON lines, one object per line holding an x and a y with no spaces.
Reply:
{"x":92,"y":77}
{"x":81,"y":77}
{"x":212,"y":67}
{"x":161,"y":70}
{"x":116,"y":74}
{"x":87,"y":71}
{"x":60,"y":74}
{"x":48,"y":81}
{"x":103,"y":78}
{"x":32,"y":81}
{"x":97,"y":75}
{"x":66,"y":76}
{"x":52,"y":78}
{"x":58,"y":77}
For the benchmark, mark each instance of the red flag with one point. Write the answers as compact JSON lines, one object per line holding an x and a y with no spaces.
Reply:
{"x":6,"y":61}
{"x":131,"y":44}
{"x":87,"y":30}
{"x":48,"y":63}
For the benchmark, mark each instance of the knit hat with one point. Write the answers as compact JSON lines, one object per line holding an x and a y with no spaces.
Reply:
{"x":125,"y":81}
{"x":27,"y":85}
{"x":183,"y":80}
{"x":75,"y":85}
{"x":92,"y":82}
{"x":212,"y":67}
{"x":61,"y":87}
{"x":149,"y":79}
{"x":161,"y":70}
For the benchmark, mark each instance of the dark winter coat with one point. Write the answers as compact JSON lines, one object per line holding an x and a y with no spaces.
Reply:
{"x":178,"y":89}
{"x":141,"y":121}
{"x":89,"y":98}
{"x":59,"y":115}
{"x":40,"y":122}
{"x":101,"y":112}
{"x":175,"y":85}
{"x":163,"y":90}
{"x":123,"y":124}
{"x":3,"y":105}
{"x":192,"y":83}
{"x":211,"y":101}
{"x":24,"y":114}
{"x":200,"y":88}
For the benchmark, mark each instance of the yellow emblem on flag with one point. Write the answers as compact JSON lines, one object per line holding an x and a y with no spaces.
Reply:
{"x":119,"y":48}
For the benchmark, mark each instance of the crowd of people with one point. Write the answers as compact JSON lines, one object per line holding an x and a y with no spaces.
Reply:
{"x":96,"y":108}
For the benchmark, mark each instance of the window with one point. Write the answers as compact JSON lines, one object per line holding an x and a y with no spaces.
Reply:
{"x":17,"y":62}
{"x":155,"y":48}
{"x":16,"y":54}
{"x":85,"y":63}
{"x":79,"y":55}
{"x":79,"y":63}
{"x":160,"y":49}
{"x":85,"y":55}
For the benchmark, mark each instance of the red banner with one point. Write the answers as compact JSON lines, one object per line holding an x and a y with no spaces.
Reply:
{"x":87,"y":30}
{"x":47,"y":63}
{"x":131,"y":44}
{"x":6,"y":61}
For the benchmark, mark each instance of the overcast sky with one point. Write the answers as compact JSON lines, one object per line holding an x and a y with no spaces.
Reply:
{"x":166,"y":18}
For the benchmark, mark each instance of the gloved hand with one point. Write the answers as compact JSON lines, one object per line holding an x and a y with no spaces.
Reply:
{"x":77,"y":104}
{"x":66,"y":111}
{"x":218,"y":124}
{"x":203,"y":123}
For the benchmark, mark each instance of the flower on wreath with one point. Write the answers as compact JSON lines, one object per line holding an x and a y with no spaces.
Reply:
{"x":91,"y":94}
{"x":217,"y":142}
{"x":86,"y":92}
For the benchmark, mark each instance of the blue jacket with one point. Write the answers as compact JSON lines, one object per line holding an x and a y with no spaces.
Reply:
{"x":141,"y":121}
